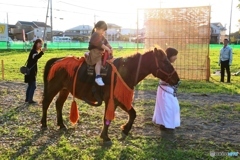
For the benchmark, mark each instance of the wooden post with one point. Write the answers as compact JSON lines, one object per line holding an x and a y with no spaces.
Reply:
{"x":2,"y":70}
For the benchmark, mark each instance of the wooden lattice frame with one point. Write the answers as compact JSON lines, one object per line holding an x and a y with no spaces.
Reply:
{"x":188,"y":30}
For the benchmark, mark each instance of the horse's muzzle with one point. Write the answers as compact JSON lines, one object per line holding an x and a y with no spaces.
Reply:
{"x":178,"y":84}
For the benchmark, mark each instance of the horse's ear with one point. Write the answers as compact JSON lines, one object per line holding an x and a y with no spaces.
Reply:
{"x":155,"y":50}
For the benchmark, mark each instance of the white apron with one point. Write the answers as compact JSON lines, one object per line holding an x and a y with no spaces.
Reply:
{"x":167,"y":110}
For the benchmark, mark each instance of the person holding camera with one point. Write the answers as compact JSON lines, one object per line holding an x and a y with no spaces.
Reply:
{"x":36,"y":53}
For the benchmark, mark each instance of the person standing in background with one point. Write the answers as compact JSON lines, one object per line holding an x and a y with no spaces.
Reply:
{"x":225,"y":61}
{"x":35,"y":54}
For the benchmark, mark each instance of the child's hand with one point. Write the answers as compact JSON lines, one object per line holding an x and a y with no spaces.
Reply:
{"x":111,"y":54}
{"x":109,"y":51}
{"x":44,"y":49}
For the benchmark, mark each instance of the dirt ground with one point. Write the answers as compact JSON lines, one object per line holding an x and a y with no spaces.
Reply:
{"x":215,"y":126}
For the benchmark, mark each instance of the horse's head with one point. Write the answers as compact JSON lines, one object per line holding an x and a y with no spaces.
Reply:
{"x":163,"y":68}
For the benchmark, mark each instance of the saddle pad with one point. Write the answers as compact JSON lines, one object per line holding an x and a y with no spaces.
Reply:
{"x":91,"y":70}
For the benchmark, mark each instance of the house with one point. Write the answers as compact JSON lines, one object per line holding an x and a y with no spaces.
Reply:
{"x":55,"y":33}
{"x":132,"y":35}
{"x":10,"y":27}
{"x":128,"y":31}
{"x":113,"y":32}
{"x":40,"y":29}
{"x":80,"y":33}
{"x":31,"y":29}
{"x":218,"y":32}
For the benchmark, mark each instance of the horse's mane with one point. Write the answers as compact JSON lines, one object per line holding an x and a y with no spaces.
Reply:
{"x":137,"y":55}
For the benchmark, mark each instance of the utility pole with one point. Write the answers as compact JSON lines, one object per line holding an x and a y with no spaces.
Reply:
{"x":230,"y":25}
{"x":160,"y":3}
{"x":7,"y":33}
{"x":44,"y":34}
{"x":7,"y":18}
{"x":51,"y":21}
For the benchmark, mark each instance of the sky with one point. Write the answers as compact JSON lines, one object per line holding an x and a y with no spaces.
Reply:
{"x":70,"y":13}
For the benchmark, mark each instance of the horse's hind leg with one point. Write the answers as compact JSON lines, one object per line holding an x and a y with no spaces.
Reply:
{"x":127,"y":127}
{"x":63,"y":94}
{"x":47,"y":99}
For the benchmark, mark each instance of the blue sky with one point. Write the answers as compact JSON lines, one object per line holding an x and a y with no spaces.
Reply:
{"x":70,"y":13}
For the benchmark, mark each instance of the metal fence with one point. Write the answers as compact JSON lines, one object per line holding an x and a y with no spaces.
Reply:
{"x":188,"y":30}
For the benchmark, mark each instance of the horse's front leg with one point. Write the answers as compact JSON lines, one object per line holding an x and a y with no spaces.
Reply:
{"x":47,"y":99}
{"x":59,"y":106}
{"x":45,"y":104}
{"x":128,"y":126}
{"x":106,"y":124}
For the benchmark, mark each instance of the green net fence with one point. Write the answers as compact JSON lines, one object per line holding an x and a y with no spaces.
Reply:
{"x":67,"y":45}
{"x":84,"y":45}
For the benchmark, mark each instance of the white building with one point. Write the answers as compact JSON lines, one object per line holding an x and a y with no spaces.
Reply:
{"x":81,"y":32}
{"x":128,"y":31}
{"x":113,"y":32}
{"x":218,"y":32}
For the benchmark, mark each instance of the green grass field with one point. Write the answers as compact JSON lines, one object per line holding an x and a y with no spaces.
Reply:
{"x":208,"y":122}
{"x":14,"y":59}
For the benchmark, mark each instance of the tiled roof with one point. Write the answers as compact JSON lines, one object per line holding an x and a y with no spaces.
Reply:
{"x":28,"y":24}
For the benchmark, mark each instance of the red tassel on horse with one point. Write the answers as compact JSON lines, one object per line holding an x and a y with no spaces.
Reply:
{"x":110,"y":112}
{"x":74,"y":113}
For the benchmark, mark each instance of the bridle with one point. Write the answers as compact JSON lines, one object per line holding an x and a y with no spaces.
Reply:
{"x":169,"y":75}
{"x":157,"y":71}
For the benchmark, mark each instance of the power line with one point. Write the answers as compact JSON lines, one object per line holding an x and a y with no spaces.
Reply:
{"x":72,"y":12}
{"x":21,"y":13}
{"x":18,"y":5}
{"x":93,"y":9}
{"x":67,"y":10}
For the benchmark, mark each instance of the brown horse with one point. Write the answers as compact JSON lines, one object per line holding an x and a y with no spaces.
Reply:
{"x":132,"y":70}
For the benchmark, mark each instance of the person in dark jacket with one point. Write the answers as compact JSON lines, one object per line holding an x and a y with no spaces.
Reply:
{"x":33,"y":57}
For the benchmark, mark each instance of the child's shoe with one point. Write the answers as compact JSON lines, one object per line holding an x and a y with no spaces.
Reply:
{"x":99,"y":81}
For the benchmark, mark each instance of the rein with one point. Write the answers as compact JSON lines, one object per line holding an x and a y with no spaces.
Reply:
{"x":174,"y":89}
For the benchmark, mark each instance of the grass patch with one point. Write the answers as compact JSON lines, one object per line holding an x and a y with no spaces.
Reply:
{"x":15,"y":59}
{"x":21,"y":137}
{"x":82,"y":142}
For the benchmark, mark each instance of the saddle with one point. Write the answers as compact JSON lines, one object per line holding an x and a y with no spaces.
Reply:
{"x":104,"y":68}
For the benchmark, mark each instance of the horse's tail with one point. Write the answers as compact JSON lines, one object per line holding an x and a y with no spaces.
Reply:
{"x":46,"y":72}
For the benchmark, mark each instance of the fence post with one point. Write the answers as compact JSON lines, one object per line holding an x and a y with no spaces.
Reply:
{"x":2,"y":70}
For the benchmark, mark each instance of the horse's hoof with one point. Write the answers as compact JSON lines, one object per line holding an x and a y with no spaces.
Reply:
{"x":123,"y":136}
{"x":44,"y":128}
{"x":63,"y":128}
{"x":106,"y":143}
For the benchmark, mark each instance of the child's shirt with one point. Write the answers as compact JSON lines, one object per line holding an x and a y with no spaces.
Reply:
{"x":96,"y":41}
